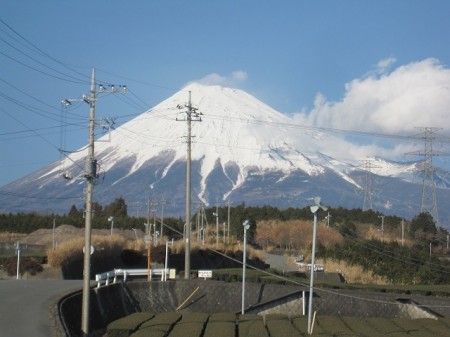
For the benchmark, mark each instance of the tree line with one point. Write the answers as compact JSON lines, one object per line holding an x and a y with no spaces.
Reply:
{"x":289,"y":229}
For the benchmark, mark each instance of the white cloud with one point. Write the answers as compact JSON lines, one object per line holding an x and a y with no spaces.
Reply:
{"x":383,"y":65}
{"x":232,"y":80}
{"x":239,"y":75}
{"x":394,"y":103}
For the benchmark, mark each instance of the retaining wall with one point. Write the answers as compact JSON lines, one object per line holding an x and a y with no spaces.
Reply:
{"x":109,"y":303}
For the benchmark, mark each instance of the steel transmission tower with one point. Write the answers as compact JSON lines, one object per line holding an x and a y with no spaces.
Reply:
{"x":428,"y":197}
{"x":191,"y":116}
{"x":368,"y":184}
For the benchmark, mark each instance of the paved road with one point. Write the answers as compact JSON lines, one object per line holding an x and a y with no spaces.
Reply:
{"x":26,"y":306}
{"x":280,"y":262}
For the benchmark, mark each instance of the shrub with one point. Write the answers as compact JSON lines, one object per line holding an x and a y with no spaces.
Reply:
{"x":27,"y":264}
{"x":73,"y":249}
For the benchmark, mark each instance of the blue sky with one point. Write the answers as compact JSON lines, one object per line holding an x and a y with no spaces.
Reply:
{"x":373,"y":66}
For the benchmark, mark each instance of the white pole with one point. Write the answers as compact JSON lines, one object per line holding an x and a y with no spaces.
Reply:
{"x":53,"y":232}
{"x":304,"y":303}
{"x":166,"y":261}
{"x":311,"y":284}
{"x":244,"y":259}
{"x":224,"y":232}
{"x":18,"y":260}
{"x":111,"y":218}
{"x":217,"y":224}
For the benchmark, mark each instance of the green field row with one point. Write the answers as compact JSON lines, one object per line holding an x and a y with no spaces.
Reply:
{"x":193,"y":324}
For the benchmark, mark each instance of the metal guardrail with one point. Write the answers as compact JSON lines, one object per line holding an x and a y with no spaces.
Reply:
{"x":113,"y":276}
{"x":307,"y":266}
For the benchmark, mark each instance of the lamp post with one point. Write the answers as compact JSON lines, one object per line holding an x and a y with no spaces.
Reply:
{"x":18,"y":259}
{"x":246,"y":225}
{"x":111,"y":219}
{"x":314,"y":210}
{"x":166,"y":261}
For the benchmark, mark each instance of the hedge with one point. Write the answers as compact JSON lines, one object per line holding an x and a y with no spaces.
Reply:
{"x":220,"y":329}
{"x":279,"y":325}
{"x":252,"y":325}
{"x":222,"y":317}
{"x":163,"y":318}
{"x":191,"y":329}
{"x":125,"y":326}
{"x":194,"y":317}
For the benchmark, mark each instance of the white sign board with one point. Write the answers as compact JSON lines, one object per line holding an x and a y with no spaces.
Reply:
{"x":204,"y":273}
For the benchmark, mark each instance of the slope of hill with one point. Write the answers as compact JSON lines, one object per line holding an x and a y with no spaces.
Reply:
{"x":242,"y":151}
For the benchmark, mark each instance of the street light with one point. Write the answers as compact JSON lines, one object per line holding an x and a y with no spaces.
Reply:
{"x":111,"y":219}
{"x":246,"y":225}
{"x":135,"y":234}
{"x":166,"y":261}
{"x":314,"y":210}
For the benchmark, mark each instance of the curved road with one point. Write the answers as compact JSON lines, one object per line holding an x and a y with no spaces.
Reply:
{"x":27,"y":306}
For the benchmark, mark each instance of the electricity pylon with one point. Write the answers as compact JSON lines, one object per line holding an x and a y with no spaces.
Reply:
{"x":428,"y":197}
{"x":368,"y":166}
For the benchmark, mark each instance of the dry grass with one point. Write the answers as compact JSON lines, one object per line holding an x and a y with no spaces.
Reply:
{"x":179,"y":247}
{"x":72,"y":249}
{"x":11,"y":237}
{"x":352,"y":274}
{"x":294,"y":235}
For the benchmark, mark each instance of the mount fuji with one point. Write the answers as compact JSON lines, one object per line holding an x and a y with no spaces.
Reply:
{"x":242,"y":151}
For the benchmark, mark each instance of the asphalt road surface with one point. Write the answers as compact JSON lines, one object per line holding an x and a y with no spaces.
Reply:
{"x":280,"y":262}
{"x":26,"y":306}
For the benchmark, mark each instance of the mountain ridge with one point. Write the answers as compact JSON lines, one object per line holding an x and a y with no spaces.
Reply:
{"x":242,"y":150}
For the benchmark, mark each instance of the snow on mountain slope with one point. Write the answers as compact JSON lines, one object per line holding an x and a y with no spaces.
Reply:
{"x":235,"y":128}
{"x":242,"y":149}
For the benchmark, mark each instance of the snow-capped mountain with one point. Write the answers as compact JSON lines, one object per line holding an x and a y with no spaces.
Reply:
{"x":242,"y":151}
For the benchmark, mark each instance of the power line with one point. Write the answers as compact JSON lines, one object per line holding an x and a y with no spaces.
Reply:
{"x":44,"y":53}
